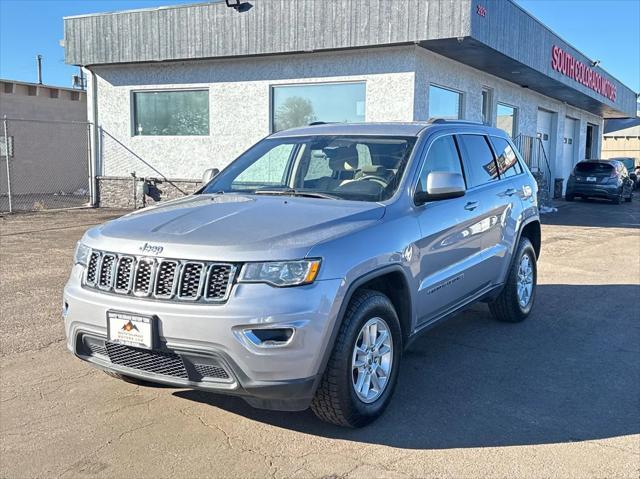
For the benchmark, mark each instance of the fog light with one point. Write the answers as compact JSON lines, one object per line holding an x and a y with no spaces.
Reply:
{"x":65,"y":309}
{"x":269,"y":338}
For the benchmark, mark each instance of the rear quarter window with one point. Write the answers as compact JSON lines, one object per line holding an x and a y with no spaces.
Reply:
{"x":508,"y":164}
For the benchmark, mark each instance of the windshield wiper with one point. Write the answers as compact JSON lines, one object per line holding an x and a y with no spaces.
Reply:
{"x":294,"y":192}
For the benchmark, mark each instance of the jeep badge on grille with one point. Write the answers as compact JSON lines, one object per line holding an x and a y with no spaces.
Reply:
{"x":151,"y":249}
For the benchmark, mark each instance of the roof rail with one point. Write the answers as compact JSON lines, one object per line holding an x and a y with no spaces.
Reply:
{"x":316,"y":123}
{"x":438,"y":121}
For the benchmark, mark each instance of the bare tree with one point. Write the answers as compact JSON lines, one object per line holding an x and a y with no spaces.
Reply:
{"x":295,"y":111}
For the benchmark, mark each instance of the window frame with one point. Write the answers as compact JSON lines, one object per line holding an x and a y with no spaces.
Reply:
{"x":490,"y":97}
{"x":453,"y":90}
{"x":273,"y":86}
{"x":132,"y":110}
{"x":516,"y":116}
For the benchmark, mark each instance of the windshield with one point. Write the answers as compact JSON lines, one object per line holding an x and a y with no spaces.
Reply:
{"x":341,"y":167}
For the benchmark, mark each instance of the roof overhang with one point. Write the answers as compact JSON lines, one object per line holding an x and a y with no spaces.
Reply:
{"x":495,"y":36}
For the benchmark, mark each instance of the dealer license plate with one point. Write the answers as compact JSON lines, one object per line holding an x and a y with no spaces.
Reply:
{"x":130,"y":329}
{"x":592,"y":178}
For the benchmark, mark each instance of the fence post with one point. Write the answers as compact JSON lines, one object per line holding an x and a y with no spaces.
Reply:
{"x":89,"y":162}
{"x":6,"y":151}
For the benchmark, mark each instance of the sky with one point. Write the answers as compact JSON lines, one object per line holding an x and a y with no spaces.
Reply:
{"x":606,"y":30}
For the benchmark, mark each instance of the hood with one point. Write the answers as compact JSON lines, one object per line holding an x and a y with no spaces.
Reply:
{"x":234,"y":227}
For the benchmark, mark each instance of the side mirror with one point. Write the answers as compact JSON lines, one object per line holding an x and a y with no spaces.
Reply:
{"x":441,"y":185}
{"x":209,"y":175}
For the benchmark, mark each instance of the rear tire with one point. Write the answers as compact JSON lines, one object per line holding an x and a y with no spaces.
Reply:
{"x":514,"y":303}
{"x":629,"y":199}
{"x":336,"y":400}
{"x":569,"y":197}
{"x":617,"y":200}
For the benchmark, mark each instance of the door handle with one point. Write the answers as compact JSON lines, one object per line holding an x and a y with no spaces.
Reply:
{"x":510,"y":192}
{"x":471,"y":205}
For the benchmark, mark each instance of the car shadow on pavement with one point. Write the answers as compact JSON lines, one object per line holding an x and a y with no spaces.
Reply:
{"x":570,"y":372}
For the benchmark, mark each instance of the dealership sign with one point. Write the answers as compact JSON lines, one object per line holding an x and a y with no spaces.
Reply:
{"x":564,"y":63}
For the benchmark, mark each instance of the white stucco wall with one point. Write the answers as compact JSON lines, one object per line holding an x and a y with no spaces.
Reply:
{"x":239,"y":97}
{"x":397,"y":85}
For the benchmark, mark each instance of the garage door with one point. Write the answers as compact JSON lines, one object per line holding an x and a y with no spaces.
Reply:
{"x":569,"y":148}
{"x":544,"y":130}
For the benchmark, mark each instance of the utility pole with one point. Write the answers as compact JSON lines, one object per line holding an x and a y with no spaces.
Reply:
{"x":39,"y":63}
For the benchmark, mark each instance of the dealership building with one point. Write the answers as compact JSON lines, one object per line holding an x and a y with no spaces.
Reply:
{"x":173,"y":91}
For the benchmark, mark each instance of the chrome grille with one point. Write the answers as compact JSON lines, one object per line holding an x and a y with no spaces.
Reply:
{"x":160,"y":278}
{"x":105,"y":277}
{"x":219,"y":280}
{"x":190,"y":281}
{"x":124,"y":274}
{"x":166,"y":279}
{"x":157,"y":362}
{"x":92,"y":268}
{"x":143,"y":281}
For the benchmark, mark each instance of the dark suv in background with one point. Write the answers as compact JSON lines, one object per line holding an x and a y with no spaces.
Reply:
{"x":607,"y":179}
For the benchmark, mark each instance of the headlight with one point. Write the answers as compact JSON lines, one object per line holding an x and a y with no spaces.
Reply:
{"x":81,"y":255}
{"x":281,"y":273}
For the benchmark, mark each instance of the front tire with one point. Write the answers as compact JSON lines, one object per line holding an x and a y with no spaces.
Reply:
{"x":518,"y":295}
{"x":362,"y":371}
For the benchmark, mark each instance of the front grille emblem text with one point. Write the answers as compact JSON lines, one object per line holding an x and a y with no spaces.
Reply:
{"x":151,"y":249}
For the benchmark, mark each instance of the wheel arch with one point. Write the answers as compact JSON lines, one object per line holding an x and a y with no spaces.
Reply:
{"x":377,"y":280}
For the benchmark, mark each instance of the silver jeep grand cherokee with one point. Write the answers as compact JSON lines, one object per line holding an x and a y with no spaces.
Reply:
{"x":298,"y":275}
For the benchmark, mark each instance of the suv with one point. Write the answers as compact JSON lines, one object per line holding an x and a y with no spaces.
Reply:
{"x":298,"y":275}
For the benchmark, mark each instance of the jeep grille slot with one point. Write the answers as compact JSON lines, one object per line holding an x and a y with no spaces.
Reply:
{"x":190,"y":281}
{"x":124,"y":274}
{"x":219,"y":280}
{"x":160,"y":278}
{"x":143,"y":281}
{"x":105,"y":278}
{"x":166,"y":279}
{"x":92,"y":268}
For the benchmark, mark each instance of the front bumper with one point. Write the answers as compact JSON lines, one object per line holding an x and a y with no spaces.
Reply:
{"x":200,"y":336}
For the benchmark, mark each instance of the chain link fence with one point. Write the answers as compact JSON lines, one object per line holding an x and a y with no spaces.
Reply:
{"x":44,"y":165}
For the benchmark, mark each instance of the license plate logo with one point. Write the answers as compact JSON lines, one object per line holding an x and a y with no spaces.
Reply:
{"x":130,"y":329}
{"x":591,"y":178}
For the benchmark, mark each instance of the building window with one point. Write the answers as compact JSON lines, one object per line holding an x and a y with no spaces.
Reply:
{"x":171,"y":113}
{"x":54,"y":93}
{"x":32,"y":90}
{"x":75,"y":96}
{"x":487,"y":100}
{"x":8,"y":88}
{"x":299,"y":105}
{"x":444,"y":103}
{"x":506,"y":118}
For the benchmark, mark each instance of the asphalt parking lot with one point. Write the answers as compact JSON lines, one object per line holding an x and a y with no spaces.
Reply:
{"x":555,"y":396}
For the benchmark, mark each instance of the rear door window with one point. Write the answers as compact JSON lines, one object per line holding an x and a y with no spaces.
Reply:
{"x":507,"y":160}
{"x":480,"y":164}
